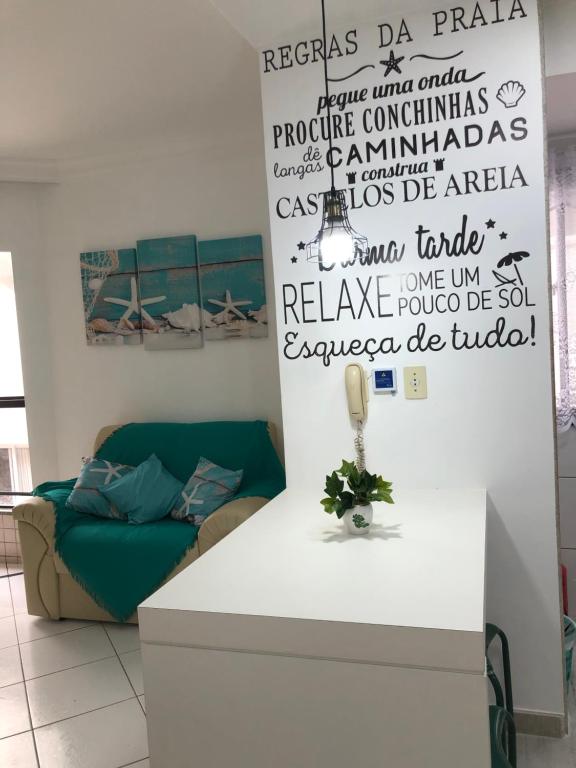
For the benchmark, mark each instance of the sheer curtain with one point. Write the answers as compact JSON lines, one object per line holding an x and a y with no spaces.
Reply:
{"x":563,"y":250}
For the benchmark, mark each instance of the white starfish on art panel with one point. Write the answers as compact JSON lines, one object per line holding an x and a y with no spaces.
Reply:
{"x":228,"y":305}
{"x":109,"y":470}
{"x":132,"y":303}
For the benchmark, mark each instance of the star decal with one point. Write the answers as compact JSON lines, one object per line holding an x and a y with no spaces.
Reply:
{"x":490,"y":223}
{"x":294,"y":259}
{"x":228,"y":305}
{"x":132,"y":303}
{"x":391,"y":63}
{"x":301,"y":246}
{"x":503,"y":235}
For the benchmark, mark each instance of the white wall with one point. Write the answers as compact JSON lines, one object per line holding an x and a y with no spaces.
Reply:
{"x":20,"y":234}
{"x":559,"y":27}
{"x":487,"y":421}
{"x":209,"y":193}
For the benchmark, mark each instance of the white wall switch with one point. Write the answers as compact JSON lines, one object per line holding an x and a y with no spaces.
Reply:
{"x":415,"y":383}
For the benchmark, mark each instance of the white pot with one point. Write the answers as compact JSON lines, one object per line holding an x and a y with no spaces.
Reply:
{"x":358,"y":519}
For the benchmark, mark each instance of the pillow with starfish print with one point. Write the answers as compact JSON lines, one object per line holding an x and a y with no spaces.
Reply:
{"x":86,"y":496}
{"x":206,"y":491}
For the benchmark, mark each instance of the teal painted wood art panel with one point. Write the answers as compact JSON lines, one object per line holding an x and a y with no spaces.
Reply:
{"x":233,"y":288}
{"x":110,"y":296}
{"x":170,"y":292}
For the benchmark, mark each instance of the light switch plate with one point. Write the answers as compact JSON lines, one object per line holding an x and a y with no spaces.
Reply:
{"x":415,"y":383}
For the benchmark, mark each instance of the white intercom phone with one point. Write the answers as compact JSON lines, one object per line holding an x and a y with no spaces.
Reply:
{"x":356,"y":392}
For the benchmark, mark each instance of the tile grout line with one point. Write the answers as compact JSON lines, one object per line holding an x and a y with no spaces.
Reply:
{"x":65,"y":669}
{"x":24,"y":681}
{"x":19,"y":733}
{"x":81,"y":714}
{"x":46,"y":637}
{"x":134,"y":689}
{"x":124,"y":668}
{"x":31,"y":729}
{"x":72,"y":717}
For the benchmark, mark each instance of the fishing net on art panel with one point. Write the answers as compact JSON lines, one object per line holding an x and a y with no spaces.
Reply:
{"x":95,"y":267}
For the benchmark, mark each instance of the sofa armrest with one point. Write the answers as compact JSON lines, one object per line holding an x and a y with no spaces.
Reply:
{"x":38,"y":513}
{"x":36,"y":524}
{"x":225,"y":519}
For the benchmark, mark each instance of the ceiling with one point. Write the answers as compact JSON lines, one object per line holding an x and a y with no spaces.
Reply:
{"x":81,"y":78}
{"x":85,"y":79}
{"x":263,"y":22}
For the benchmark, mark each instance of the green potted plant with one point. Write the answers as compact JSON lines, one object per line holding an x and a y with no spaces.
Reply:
{"x":350,"y":493}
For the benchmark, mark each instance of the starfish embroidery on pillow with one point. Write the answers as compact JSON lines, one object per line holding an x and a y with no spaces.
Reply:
{"x":110,"y":470}
{"x":206,"y":491}
{"x":95,"y":476}
{"x":189,"y":499}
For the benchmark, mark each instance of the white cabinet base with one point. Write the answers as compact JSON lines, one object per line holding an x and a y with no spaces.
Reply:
{"x":247,"y":710}
{"x":291,"y":645}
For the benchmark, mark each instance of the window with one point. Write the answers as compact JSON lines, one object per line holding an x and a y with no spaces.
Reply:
{"x":15,"y":472}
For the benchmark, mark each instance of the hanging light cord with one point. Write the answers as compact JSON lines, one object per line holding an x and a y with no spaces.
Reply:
{"x":327,"y":92}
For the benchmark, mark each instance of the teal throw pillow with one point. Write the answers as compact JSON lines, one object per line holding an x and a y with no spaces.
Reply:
{"x":87,"y":495}
{"x":146,"y":494}
{"x":208,"y":489}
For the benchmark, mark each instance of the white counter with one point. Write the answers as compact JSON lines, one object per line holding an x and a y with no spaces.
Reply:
{"x":407,"y":598}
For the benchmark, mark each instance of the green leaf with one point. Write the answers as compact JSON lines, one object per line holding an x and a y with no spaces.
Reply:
{"x":359,"y":521}
{"x":347,"y":500}
{"x":363,"y":488}
{"x":382,"y":485}
{"x":328,"y":505}
{"x":382,"y":496}
{"x":334,"y":485}
{"x":346,"y":468}
{"x":339,"y":508}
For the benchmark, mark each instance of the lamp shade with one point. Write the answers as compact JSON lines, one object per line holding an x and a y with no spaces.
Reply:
{"x":336,"y":242}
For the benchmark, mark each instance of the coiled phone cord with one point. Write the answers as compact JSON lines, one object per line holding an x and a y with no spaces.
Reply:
{"x":359,"y":445}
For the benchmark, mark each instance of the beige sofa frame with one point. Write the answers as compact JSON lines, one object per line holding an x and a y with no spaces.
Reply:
{"x":53,"y":593}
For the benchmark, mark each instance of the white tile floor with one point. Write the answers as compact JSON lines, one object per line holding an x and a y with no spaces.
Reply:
{"x":71,"y":695}
{"x":71,"y":692}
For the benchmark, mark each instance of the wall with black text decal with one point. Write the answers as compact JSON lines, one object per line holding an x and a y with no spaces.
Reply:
{"x":439,"y":145}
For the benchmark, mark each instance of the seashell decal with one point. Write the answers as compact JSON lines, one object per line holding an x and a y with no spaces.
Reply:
{"x":510,"y":93}
{"x":190,"y":317}
{"x":101,"y":325}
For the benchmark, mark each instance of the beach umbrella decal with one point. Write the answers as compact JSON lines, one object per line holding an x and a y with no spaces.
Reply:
{"x":511,"y":259}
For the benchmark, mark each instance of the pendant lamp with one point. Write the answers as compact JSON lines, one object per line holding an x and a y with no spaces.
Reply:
{"x":336,"y":242}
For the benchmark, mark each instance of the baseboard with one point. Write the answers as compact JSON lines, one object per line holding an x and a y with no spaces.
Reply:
{"x":540,"y":723}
